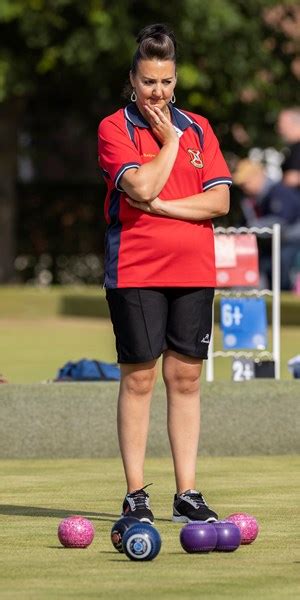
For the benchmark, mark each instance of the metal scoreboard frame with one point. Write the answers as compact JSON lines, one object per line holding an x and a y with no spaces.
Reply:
{"x":275,"y":233}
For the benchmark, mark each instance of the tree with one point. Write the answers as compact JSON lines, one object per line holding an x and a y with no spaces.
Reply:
{"x":237,"y":64}
{"x":240,"y":64}
{"x":64,"y":49}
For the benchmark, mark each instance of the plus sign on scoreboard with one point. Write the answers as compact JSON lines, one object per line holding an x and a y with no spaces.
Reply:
{"x":243,"y":323}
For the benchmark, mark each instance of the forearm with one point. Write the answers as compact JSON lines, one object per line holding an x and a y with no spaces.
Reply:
{"x":145,"y":184}
{"x":206,"y":205}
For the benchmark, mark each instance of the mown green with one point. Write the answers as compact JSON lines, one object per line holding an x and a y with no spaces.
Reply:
{"x":36,"y":495}
{"x":78,"y":420}
{"x":89,"y":301}
{"x":33,"y":349}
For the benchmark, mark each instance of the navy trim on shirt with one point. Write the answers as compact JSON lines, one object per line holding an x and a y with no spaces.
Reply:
{"x":216,"y":181}
{"x":112,"y":241}
{"x":182,"y":122}
{"x":121,"y":171}
{"x":133,"y":115}
{"x":179,"y":119}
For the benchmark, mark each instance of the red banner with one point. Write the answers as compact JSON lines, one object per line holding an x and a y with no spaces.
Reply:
{"x":236,"y":260}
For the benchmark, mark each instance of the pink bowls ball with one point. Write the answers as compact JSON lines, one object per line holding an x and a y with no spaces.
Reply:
{"x":76,"y":532}
{"x":247,"y":525}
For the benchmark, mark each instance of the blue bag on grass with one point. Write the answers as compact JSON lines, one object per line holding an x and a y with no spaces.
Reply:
{"x":88,"y":370}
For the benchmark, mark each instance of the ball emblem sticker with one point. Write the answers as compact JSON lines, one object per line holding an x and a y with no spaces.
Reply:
{"x":196,"y":158}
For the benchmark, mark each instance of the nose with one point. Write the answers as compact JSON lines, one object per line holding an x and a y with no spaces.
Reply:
{"x":157,"y":90}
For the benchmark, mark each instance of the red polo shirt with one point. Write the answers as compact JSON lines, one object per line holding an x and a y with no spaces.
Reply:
{"x":146,"y":250}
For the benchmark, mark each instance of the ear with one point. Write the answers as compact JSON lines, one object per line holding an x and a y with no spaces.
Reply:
{"x":131,"y":77}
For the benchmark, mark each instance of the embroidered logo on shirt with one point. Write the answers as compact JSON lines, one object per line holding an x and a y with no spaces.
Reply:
{"x":196,"y":158}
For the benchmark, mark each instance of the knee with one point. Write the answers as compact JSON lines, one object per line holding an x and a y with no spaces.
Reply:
{"x":139,"y":383}
{"x":182,"y":381}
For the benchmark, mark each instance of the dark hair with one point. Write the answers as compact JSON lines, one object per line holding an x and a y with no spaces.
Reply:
{"x":154,"y":41}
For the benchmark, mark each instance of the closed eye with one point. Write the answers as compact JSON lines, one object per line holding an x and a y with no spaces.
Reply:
{"x":152,"y":81}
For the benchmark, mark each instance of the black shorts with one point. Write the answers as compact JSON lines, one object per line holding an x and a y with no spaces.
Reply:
{"x":148,"y":321}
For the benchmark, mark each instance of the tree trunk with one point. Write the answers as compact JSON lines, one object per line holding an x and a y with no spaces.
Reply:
{"x":9,"y":121}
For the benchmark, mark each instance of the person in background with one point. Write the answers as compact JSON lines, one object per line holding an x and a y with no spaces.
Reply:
{"x":265,"y":203}
{"x":166,"y":180}
{"x":288,"y":127}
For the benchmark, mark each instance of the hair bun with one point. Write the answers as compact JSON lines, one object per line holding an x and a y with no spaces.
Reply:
{"x":158,"y":30}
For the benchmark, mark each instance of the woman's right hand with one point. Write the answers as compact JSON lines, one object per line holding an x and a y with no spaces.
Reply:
{"x":161,"y":125}
{"x":145,"y":183}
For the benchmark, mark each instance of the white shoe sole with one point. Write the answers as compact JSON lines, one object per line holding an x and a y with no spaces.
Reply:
{"x":183,"y":519}
{"x":145,"y":520}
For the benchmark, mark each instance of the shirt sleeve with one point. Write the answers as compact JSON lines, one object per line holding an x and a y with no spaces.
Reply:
{"x":215,"y":169}
{"x":116,"y":151}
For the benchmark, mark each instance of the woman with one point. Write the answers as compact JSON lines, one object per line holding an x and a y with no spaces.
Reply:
{"x":166,"y":180}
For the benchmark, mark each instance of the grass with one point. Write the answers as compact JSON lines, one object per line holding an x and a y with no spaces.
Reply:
{"x":33,"y":349}
{"x":36,"y":495}
{"x":89,"y":301}
{"x":78,"y":420}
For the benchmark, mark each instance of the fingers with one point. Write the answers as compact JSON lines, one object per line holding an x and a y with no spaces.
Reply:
{"x":156,"y":116}
{"x":161,"y":125}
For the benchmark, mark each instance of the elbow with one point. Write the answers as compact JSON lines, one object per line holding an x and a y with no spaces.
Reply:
{"x":223,"y":209}
{"x":221,"y":203}
{"x":136,"y":185}
{"x":224,"y":204}
{"x":143,"y":193}
{"x":146,"y":194}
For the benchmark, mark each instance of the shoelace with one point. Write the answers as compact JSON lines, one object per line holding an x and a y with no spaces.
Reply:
{"x":139,"y":498}
{"x":195,"y":497}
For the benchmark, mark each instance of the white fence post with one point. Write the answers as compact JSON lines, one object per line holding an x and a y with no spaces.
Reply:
{"x":276,"y":297}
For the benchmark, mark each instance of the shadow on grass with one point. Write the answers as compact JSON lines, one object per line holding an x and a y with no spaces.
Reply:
{"x":37,"y":511}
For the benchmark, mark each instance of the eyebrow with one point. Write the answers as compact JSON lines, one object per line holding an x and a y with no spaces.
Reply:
{"x":154,"y":79}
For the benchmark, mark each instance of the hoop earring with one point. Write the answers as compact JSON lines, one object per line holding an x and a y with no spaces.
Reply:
{"x":173,"y":99}
{"x":133,"y":96}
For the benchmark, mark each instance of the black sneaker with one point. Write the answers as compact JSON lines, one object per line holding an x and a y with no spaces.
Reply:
{"x":191,"y":506}
{"x":136,"y":505}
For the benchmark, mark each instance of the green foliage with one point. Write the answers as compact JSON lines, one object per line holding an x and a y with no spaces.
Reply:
{"x":237,"y":59}
{"x":61,"y":37}
{"x":247,"y":54}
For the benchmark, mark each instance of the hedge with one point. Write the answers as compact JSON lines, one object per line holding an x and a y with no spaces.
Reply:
{"x":89,"y":301}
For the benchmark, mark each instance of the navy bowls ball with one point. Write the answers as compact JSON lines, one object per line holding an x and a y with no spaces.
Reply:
{"x":118,"y":530}
{"x":141,"y":542}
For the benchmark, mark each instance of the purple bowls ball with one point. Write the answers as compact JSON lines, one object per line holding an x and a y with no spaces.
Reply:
{"x":228,"y":536}
{"x":198,"y":537}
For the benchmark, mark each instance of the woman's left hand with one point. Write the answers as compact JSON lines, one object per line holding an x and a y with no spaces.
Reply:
{"x":149,"y":207}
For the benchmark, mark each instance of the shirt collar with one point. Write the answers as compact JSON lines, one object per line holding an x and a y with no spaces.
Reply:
{"x":179,"y":118}
{"x":133,"y":115}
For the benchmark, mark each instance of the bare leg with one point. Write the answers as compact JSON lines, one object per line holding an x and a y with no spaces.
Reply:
{"x":136,"y":387}
{"x":182,"y":378}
